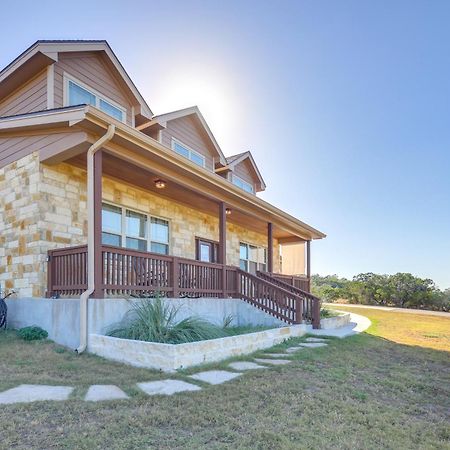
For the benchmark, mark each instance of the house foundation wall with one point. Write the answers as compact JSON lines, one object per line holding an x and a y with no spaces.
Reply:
{"x":61,"y":317}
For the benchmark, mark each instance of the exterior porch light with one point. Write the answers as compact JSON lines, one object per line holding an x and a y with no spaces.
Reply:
{"x":228,"y":211}
{"x":160,"y":184}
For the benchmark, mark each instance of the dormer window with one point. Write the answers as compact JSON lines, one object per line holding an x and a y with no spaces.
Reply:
{"x":188,"y":153}
{"x":77,"y":93}
{"x":243,"y":184}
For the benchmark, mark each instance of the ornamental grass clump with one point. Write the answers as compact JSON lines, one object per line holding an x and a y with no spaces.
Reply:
{"x":154,"y":320}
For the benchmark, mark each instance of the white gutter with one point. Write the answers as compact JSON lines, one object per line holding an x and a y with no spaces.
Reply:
{"x":90,"y":241}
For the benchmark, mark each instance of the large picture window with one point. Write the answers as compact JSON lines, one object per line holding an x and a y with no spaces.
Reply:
{"x":78,"y":93}
{"x":252,"y":258}
{"x":123,"y":227}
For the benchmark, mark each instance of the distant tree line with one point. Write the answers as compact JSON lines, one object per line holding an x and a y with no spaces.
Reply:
{"x":401,"y":290}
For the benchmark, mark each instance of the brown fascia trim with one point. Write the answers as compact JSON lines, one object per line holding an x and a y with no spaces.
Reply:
{"x":38,"y":119}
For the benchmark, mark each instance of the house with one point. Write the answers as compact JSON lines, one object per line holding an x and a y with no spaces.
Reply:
{"x":99,"y":194}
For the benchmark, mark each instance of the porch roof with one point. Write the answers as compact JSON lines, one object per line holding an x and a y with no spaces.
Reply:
{"x":148,"y":160}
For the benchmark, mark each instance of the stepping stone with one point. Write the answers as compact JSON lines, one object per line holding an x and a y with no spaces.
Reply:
{"x":100,"y":392}
{"x":276,"y":355}
{"x":274,"y":362}
{"x":313,"y":344}
{"x":314,"y":339}
{"x":215,"y":376}
{"x":33,"y":393}
{"x":167,"y":387}
{"x":294,"y":349}
{"x":245,"y":365}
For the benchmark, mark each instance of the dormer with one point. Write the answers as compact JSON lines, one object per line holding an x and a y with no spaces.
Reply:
{"x":242,"y":171}
{"x":186,"y":133}
{"x":55,"y":74}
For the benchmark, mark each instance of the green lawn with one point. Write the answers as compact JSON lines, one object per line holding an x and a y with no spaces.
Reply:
{"x":365,"y":392}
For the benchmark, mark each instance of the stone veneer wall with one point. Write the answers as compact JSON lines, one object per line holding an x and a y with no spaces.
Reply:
{"x":41,"y":208}
{"x":44,"y":207}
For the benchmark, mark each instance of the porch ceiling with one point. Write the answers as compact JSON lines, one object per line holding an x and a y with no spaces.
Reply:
{"x":135,"y":176}
{"x":138,"y":159}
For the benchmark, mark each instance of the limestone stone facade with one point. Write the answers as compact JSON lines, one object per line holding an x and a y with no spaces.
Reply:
{"x":44,"y":207}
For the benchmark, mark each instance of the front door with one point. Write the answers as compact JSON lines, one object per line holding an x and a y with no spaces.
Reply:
{"x":206,"y":250}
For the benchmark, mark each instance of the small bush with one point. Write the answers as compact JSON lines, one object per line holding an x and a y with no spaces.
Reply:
{"x":32,"y":333}
{"x":326,"y":313}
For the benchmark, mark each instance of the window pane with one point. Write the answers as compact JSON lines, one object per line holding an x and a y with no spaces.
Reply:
{"x":253,"y":253}
{"x":205,"y":252}
{"x":197,"y":159}
{"x":159,"y":230}
{"x":252,"y":267}
{"x":262,"y":267}
{"x":243,"y":265}
{"x":111,"y":110}
{"x":79,"y":96}
{"x":181,"y":150}
{"x":247,"y":187}
{"x":243,"y":251}
{"x":112,"y":218}
{"x":136,"y":244}
{"x":159,"y":248}
{"x":136,"y":224}
{"x":111,"y":239}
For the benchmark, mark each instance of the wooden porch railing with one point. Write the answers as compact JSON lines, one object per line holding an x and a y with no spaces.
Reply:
{"x":311,"y":303}
{"x":129,"y":272}
{"x":297,"y":281}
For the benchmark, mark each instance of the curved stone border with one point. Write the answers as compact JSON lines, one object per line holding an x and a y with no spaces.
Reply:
{"x":357,"y":324}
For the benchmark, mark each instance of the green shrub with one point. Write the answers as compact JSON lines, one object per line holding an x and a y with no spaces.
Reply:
{"x":32,"y":333}
{"x":155,"y":321}
{"x":326,"y":313}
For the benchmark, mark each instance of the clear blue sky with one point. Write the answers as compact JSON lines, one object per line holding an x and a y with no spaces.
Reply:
{"x":344,"y":104}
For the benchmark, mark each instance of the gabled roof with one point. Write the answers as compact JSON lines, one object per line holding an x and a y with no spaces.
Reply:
{"x":232,"y":161}
{"x":162,"y":120}
{"x":45,"y":52}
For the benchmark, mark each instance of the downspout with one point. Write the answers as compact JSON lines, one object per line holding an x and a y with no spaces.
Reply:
{"x":90,"y":238}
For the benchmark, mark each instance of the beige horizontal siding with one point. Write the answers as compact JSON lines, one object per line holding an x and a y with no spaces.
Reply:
{"x":89,"y":68}
{"x":28,"y":98}
{"x":189,"y":131}
{"x":244,"y":170}
{"x":15,"y":148}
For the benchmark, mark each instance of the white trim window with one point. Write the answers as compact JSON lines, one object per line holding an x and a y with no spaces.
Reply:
{"x":187,"y":152}
{"x":122,"y":227}
{"x":78,"y":93}
{"x":252,"y":258}
{"x":239,"y":182}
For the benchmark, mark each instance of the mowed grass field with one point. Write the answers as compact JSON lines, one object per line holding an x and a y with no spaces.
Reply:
{"x":385,"y":389}
{"x":407,"y":328}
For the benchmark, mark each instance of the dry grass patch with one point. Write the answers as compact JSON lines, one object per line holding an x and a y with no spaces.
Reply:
{"x":407,"y":328}
{"x":361,"y":392}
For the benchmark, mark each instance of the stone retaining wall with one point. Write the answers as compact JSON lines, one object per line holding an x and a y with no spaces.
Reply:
{"x":170,"y":357}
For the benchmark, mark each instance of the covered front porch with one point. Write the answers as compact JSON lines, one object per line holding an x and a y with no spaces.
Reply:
{"x":204,"y":208}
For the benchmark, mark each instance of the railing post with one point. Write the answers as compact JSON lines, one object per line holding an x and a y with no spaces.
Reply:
{"x":50,"y":273}
{"x":316,"y":314}
{"x":269,"y":247}
{"x":298,"y":311}
{"x":175,"y":277}
{"x":238,"y":284}
{"x":224,"y":281}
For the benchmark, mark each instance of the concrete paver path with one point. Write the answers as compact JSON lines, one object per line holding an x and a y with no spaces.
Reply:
{"x":101,"y":392}
{"x":167,"y":387}
{"x":245,"y":365}
{"x":215,"y":376}
{"x":26,"y":393}
{"x":273,"y":362}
